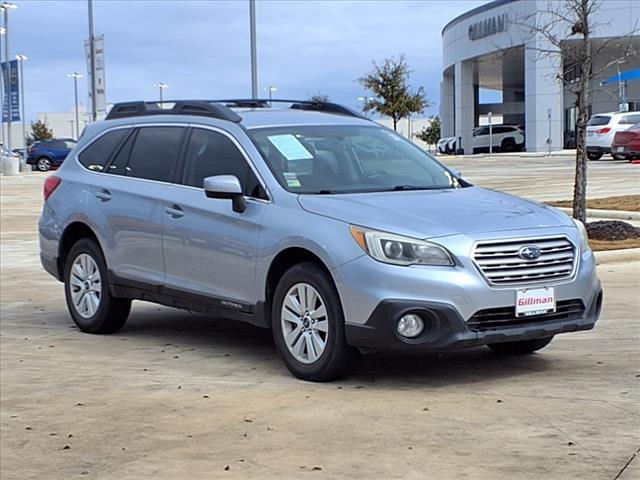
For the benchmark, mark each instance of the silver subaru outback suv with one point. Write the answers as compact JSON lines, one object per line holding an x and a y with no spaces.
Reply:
{"x":305,"y":218}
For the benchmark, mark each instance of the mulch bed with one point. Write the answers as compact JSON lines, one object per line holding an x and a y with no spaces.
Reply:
{"x":612,"y":235}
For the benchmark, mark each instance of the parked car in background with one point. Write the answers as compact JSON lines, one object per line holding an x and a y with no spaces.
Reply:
{"x":48,"y":154}
{"x":626,"y":144}
{"x":602,"y":128}
{"x":505,"y":138}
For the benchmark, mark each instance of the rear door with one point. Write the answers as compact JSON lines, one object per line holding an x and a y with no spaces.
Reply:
{"x":209,"y":249}
{"x":126,"y":202}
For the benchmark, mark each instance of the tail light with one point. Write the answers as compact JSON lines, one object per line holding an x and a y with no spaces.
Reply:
{"x":604,"y":130}
{"x":50,"y":185}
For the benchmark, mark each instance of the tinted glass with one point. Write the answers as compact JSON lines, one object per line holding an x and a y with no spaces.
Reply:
{"x":155,"y":153}
{"x":348,"y":159}
{"x":96,"y":155}
{"x":211,"y":153}
{"x":119,"y":162}
{"x":599,"y":120}
{"x":630,"y":119}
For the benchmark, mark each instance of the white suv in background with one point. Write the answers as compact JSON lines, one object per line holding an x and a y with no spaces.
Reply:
{"x":601,"y":129}
{"x":506,"y":138}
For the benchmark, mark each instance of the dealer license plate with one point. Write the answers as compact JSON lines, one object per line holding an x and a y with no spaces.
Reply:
{"x":620,"y":149}
{"x":535,"y":301}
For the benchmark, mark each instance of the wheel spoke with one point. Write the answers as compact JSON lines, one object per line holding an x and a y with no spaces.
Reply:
{"x":302,"y":295}
{"x":291,"y":317}
{"x":318,"y":342}
{"x":322,"y":325}
{"x":320,"y":312}
{"x":312,"y":298}
{"x":75,"y":281}
{"x":311,"y":352}
{"x":293,"y":335}
{"x":293,"y":303}
{"x":298,"y":348}
{"x":93,"y":302}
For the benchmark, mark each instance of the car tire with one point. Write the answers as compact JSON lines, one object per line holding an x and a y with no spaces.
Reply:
{"x":308,"y":325}
{"x":508,"y":145}
{"x":86,"y":287}
{"x":594,"y":156}
{"x":522,"y":347}
{"x":617,"y":156}
{"x":43,"y":164}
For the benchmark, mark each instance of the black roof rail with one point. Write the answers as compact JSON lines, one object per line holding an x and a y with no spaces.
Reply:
{"x":202,"y":108}
{"x":327,"y":107}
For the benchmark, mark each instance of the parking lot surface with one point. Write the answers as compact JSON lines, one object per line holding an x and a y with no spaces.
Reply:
{"x":181,"y":396}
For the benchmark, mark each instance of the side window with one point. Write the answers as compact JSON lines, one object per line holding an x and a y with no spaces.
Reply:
{"x":211,"y":153}
{"x":629,"y":119}
{"x":119,"y":162}
{"x":97,"y":154}
{"x":155,"y":153}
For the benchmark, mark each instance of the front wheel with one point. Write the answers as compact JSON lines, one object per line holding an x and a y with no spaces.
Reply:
{"x":308,"y":325}
{"x":522,"y":347}
{"x":594,"y":155}
{"x":89,"y":301}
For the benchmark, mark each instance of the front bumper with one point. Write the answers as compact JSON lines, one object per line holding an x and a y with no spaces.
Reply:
{"x":446,"y":330}
{"x":598,"y":149}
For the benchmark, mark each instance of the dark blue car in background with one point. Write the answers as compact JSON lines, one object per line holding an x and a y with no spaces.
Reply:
{"x":48,"y":154}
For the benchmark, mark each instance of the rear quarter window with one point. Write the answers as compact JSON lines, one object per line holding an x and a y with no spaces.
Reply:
{"x":599,"y":120}
{"x":97,"y":154}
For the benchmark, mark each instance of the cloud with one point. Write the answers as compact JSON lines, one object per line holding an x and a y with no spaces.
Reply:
{"x":201,"y":48}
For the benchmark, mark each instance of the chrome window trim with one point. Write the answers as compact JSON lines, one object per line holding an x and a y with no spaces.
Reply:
{"x":577,"y":255}
{"x":176,"y":124}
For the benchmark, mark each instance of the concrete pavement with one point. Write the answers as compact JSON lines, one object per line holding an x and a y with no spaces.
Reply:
{"x":182,"y":396}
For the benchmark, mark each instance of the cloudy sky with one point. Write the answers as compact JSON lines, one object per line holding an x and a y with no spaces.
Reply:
{"x":201,"y":48}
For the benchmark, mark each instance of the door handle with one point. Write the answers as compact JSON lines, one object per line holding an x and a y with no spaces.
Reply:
{"x":174,"y":211}
{"x":103,"y":195}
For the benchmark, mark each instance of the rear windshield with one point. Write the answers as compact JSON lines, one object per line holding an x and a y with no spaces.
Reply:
{"x":599,"y":120}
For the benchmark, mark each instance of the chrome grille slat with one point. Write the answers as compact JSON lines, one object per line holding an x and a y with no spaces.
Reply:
{"x":500,"y":264}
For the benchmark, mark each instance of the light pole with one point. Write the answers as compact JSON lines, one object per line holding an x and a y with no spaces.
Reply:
{"x":92,"y":62}
{"x":76,"y":76}
{"x":21,"y":59}
{"x":5,"y":7}
{"x":254,"y":55}
{"x":160,"y":86}
{"x":270,"y":89}
{"x":365,"y":102}
{"x":2,"y":32}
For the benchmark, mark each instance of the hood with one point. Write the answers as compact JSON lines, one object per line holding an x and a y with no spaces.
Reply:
{"x":436,"y":213}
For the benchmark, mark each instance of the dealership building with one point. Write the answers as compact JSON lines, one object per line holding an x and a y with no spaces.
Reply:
{"x":495,"y":61}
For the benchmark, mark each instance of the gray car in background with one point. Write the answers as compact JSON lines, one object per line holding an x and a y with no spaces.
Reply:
{"x":332,"y":231}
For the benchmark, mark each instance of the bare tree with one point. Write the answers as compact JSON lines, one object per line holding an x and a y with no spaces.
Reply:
{"x":567,"y":28}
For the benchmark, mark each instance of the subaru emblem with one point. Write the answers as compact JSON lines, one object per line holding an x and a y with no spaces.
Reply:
{"x":530,"y":252}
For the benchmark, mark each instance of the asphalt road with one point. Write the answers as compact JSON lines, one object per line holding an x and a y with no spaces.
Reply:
{"x":182,"y":396}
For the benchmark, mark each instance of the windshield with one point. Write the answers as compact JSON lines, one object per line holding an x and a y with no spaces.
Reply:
{"x":348,"y":159}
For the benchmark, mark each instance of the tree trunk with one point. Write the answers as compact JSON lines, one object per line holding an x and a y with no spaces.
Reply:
{"x":582,"y":104}
{"x":395,"y":124}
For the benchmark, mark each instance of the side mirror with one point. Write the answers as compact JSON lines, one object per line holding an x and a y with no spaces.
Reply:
{"x":226,"y":187}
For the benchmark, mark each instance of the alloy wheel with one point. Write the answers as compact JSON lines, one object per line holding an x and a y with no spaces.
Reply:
{"x":85,"y":285}
{"x":44,"y":164}
{"x":304,"y":321}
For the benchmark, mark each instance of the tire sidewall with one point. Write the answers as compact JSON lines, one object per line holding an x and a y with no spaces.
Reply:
{"x":318,"y":279}
{"x":95,"y":323}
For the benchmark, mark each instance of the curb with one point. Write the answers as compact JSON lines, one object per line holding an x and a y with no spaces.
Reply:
{"x":616,"y":256}
{"x":606,"y":214}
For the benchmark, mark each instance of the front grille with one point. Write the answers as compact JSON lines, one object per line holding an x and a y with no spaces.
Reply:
{"x":506,"y":317}
{"x":501,"y":265}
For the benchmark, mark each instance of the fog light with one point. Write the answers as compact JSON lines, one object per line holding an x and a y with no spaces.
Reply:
{"x":410,"y":325}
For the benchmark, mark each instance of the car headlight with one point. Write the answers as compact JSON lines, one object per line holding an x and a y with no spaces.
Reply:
{"x":399,"y":250}
{"x":584,"y":238}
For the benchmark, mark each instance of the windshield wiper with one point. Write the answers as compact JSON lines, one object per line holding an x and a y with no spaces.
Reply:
{"x":324,"y":192}
{"x":398,"y":188}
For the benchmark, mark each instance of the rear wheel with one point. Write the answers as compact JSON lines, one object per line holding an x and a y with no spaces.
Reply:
{"x":617,"y":156}
{"x":508,"y":145}
{"x":594,"y":155}
{"x":43,"y":164}
{"x":89,"y":301}
{"x":520,"y":348}
{"x":308,"y":325}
